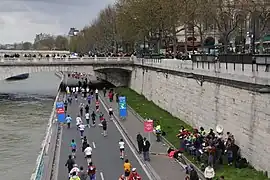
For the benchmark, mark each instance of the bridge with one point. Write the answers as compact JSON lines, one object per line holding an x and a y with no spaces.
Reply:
{"x":114,"y":69}
{"x":32,"y":52}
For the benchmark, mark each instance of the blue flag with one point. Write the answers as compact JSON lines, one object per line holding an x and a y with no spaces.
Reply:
{"x":61,"y":118}
{"x":122,"y":106}
{"x":59,"y":105}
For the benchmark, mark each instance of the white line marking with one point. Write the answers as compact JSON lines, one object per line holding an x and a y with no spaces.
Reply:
{"x":128,"y":143}
{"x":94,"y":145}
{"x":101,"y":176}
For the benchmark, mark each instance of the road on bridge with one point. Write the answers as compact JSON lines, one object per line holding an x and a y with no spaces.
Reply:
{"x":105,"y":155}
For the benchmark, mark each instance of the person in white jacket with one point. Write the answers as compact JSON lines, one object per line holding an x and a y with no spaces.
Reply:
{"x":209,"y":172}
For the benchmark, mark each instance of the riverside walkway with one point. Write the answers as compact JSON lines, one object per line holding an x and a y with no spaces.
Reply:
{"x":105,"y":149}
{"x":165,"y":167}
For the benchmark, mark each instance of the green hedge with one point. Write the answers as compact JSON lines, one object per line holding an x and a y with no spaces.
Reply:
{"x":171,"y":125}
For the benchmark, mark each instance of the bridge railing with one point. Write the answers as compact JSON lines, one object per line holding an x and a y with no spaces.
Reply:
{"x":61,"y":60}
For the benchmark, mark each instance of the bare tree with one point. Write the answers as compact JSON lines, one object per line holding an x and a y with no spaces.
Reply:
{"x":258,"y":18}
{"x":226,"y":15}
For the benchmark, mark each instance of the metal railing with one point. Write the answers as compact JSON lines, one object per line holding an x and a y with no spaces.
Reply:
{"x":39,"y":169}
{"x":63,"y":60}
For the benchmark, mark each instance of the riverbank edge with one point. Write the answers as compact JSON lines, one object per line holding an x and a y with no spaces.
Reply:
{"x":60,"y":75}
{"x":44,"y":162}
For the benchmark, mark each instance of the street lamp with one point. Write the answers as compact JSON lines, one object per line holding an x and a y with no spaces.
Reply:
{"x":253,"y":38}
{"x":157,"y":35}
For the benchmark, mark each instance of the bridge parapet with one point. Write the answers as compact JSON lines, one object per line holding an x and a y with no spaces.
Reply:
{"x":83,"y":60}
{"x":258,"y":73}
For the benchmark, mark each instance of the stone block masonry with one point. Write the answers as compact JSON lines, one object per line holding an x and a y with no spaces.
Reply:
{"x":244,"y":113}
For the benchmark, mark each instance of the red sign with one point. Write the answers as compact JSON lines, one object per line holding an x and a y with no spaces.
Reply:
{"x":60,"y":111}
{"x":148,"y":126}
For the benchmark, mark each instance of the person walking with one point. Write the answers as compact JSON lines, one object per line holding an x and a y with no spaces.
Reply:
{"x":146,"y":148}
{"x":140,"y":142}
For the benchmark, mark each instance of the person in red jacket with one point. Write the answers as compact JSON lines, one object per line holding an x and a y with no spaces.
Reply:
{"x":134,"y":175}
{"x":110,"y":95}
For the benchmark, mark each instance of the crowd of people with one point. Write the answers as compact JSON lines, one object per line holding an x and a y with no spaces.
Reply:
{"x":209,"y":149}
{"x":82,"y":121}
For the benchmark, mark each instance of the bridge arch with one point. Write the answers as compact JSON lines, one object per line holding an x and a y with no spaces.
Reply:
{"x":114,"y":67}
{"x":9,"y":71}
{"x":116,"y":76}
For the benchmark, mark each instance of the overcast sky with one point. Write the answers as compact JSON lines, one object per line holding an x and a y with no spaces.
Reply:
{"x":21,"y":20}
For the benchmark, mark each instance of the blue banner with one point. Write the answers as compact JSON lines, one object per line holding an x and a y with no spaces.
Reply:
{"x":61,"y":118}
{"x":59,"y":105}
{"x":122,"y":106}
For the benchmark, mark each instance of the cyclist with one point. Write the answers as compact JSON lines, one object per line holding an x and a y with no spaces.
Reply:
{"x":92,"y":171}
{"x":93,"y":115}
{"x":88,"y":153}
{"x":78,"y":121}
{"x":73,"y":146}
{"x":110,"y":112}
{"x":122,"y":148}
{"x":127,"y":168}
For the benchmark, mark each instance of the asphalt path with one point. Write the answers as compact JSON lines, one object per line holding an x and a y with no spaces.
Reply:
{"x":105,"y":155}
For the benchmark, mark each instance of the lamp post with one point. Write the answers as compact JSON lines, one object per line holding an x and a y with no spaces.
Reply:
{"x":193,"y":34}
{"x":253,"y":35}
{"x":158,"y":42}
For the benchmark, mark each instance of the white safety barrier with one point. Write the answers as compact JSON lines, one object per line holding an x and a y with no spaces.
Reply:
{"x":39,"y":169}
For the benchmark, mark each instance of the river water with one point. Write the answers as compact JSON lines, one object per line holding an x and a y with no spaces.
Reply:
{"x":25,"y":107}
